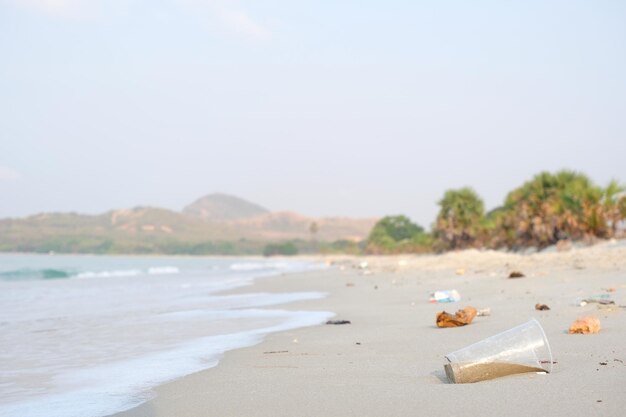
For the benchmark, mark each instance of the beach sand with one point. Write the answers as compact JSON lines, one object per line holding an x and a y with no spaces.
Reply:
{"x":389,"y":360}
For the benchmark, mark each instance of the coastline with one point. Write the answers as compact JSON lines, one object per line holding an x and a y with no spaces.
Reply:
{"x":389,"y":360}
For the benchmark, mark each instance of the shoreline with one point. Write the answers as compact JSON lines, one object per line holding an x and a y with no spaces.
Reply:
{"x":389,"y":360}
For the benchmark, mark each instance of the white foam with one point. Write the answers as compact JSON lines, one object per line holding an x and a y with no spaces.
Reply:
{"x":107,"y":389}
{"x":93,"y":347}
{"x":162,"y":270}
{"x":107,"y":274}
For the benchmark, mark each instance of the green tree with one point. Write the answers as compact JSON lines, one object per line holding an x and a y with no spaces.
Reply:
{"x":284,"y":248}
{"x":614,"y":205}
{"x":460,"y":219}
{"x":393,"y":234}
{"x":551,"y":207}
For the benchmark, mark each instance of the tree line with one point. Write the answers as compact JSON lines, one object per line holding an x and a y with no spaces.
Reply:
{"x":549,"y":208}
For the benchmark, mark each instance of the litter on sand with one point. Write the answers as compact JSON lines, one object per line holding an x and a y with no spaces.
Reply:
{"x":602,"y":299}
{"x":338,"y":322}
{"x":585,"y":325}
{"x":541,"y":307}
{"x":516,"y":274}
{"x":460,"y":318}
{"x":522,"y":349}
{"x":445,"y":296}
{"x":484,"y":312}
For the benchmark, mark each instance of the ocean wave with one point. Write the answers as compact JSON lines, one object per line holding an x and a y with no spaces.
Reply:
{"x":258,"y":266}
{"x":106,"y":274}
{"x":28,"y":273}
{"x":163,"y":270}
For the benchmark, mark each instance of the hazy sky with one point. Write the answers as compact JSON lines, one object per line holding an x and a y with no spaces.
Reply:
{"x":356,"y":108}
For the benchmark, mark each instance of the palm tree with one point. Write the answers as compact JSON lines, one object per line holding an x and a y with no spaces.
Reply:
{"x":614,"y":205}
{"x":551,"y":207}
{"x":460,"y":219}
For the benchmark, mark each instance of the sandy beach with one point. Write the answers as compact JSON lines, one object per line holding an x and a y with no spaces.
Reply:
{"x":389,"y":360}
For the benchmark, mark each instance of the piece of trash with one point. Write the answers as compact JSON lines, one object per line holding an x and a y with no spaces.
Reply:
{"x":585,"y":325}
{"x":604,"y":363}
{"x":275,"y":351}
{"x":516,"y":274}
{"x":484,"y":312}
{"x":363,"y":265}
{"x":541,"y":307}
{"x":602,"y":299}
{"x":518,"y":350}
{"x":460,"y":271}
{"x":295,"y":340}
{"x":601,"y":302}
{"x":445,"y":296}
{"x":461,"y":318}
{"x":610,"y":289}
{"x":338,"y":322}
{"x":358,"y":343}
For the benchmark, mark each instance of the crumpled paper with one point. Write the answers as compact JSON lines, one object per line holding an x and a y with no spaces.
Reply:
{"x":460,"y":318}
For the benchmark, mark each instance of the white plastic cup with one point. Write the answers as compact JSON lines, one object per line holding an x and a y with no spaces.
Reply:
{"x":524,"y":348}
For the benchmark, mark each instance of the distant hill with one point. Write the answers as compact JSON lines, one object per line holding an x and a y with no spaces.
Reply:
{"x":214,"y":224}
{"x":222,"y":207}
{"x":255,"y":222}
{"x":288,"y":225}
{"x":137,"y":230}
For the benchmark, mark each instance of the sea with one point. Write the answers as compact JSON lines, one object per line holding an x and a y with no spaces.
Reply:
{"x":89,"y":336}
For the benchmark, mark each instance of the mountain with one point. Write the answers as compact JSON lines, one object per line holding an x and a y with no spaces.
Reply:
{"x":137,"y":230}
{"x":222,"y":207}
{"x":255,"y":222}
{"x":288,"y":225}
{"x":214,"y":224}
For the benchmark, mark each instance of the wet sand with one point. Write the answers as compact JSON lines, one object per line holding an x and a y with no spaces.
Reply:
{"x":389,"y":360}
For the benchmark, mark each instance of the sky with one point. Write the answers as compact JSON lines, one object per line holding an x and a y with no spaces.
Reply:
{"x":342,"y":108}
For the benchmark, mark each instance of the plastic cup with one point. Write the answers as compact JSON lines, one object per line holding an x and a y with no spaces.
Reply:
{"x":524,"y":348}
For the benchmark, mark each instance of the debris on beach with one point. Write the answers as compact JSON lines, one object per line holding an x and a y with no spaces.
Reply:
{"x":338,"y":322}
{"x":484,"y":312}
{"x":363,"y":265}
{"x":521,"y":349}
{"x":460,"y":271}
{"x":602,"y":299}
{"x":541,"y":307}
{"x":585,"y":325}
{"x":516,"y":274}
{"x":445,"y":296}
{"x":275,"y":351}
{"x":460,"y":318}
